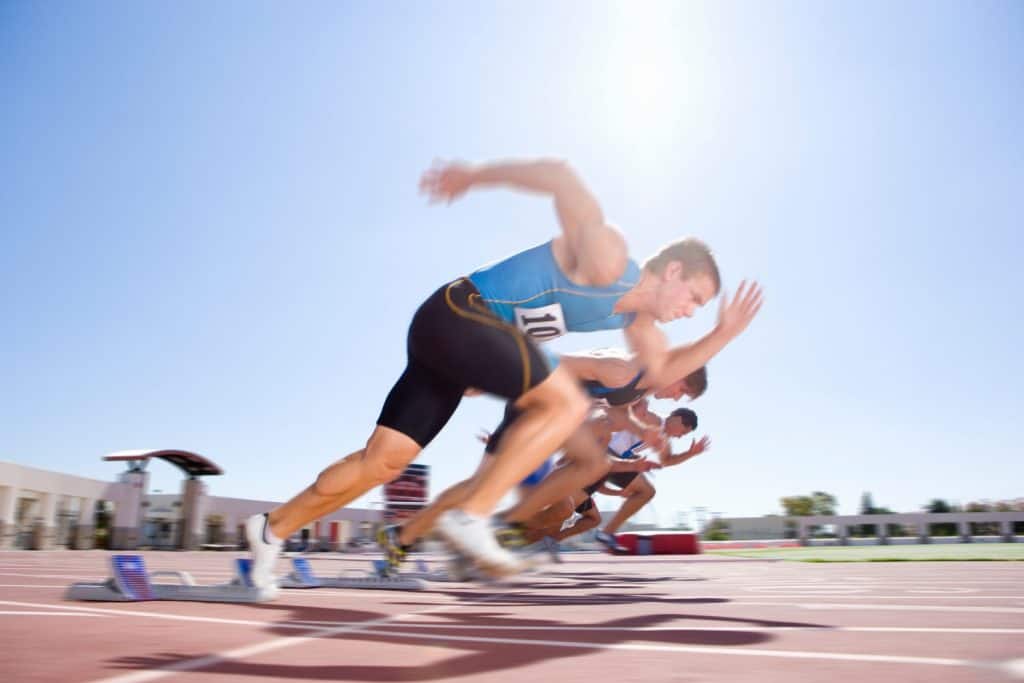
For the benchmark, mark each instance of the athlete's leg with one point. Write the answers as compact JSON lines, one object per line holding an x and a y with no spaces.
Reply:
{"x":550,"y":412}
{"x":638,"y":493}
{"x":590,"y":520}
{"x":419,"y":405}
{"x":585,"y":462}
{"x":548,"y":521}
{"x":418,"y":525}
{"x":386,"y":454}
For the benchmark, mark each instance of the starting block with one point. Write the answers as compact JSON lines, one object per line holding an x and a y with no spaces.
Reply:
{"x":422,"y":572}
{"x":302,"y":577}
{"x":132,"y":583}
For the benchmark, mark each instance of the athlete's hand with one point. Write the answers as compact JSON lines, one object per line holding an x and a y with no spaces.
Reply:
{"x":698,"y":447}
{"x":647,"y":466}
{"x":446,"y":182}
{"x":735,"y":315}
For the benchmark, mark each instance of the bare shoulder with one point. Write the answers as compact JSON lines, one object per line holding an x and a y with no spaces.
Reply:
{"x":597,"y":258}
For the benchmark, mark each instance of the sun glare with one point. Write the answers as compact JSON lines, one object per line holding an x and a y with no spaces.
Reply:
{"x":645,"y":71}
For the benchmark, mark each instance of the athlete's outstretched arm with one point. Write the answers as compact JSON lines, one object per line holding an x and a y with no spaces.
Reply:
{"x":589,"y":251}
{"x":639,"y":465}
{"x":667,"y":459}
{"x":664,"y":365}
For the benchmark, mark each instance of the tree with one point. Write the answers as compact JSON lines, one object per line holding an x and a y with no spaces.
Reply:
{"x":798,"y":506}
{"x":818,"y":503}
{"x":823,"y":504}
{"x":867,"y":506}
{"x":939,"y":506}
{"x":716,"y":530}
{"x":984,"y":528}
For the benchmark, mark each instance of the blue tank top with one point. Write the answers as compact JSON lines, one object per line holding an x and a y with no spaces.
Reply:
{"x":530,"y":291}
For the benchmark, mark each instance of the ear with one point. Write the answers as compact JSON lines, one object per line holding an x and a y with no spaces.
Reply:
{"x":673,"y":271}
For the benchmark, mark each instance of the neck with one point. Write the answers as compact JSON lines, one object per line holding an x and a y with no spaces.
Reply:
{"x":641,"y":297}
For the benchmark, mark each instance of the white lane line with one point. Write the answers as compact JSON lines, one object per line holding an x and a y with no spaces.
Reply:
{"x":49,"y":614}
{"x":87,"y":577}
{"x":840,"y":596}
{"x":683,"y":627}
{"x":153,"y":615}
{"x":907,"y":608}
{"x":1014,"y":667}
{"x":33,"y":585}
{"x":277,"y":644}
{"x":347,"y":627}
{"x":320,"y":592}
{"x":721,"y":651}
{"x":308,"y":624}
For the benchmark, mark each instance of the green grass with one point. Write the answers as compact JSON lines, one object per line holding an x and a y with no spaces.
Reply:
{"x":958,"y":552}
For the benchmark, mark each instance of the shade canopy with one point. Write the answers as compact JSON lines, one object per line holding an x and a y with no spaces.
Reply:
{"x":193,"y":464}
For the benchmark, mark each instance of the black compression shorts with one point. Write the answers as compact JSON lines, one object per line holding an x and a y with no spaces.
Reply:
{"x":622,"y":479}
{"x":511,"y":413}
{"x":455,"y":342}
{"x":587,"y":504}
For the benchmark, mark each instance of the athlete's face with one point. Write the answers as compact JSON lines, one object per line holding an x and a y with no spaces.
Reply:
{"x":680,"y":295}
{"x":675,"y":427}
{"x":674,"y":391}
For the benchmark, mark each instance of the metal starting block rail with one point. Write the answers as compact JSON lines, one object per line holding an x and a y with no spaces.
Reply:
{"x":131,"y":582}
{"x":302,"y":577}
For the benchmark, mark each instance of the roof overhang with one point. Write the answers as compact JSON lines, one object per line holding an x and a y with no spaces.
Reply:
{"x":193,"y":464}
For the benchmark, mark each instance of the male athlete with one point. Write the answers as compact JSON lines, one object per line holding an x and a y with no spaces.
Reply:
{"x":632,"y":485}
{"x":477,"y":331}
{"x":579,"y":465}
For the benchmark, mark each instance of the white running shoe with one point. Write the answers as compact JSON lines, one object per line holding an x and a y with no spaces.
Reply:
{"x":264,"y":554}
{"x":473,"y":537}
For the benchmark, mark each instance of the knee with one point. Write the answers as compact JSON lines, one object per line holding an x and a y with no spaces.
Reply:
{"x":560,"y":393}
{"x":370,"y":472}
{"x":647,"y":492}
{"x":562,"y":509}
{"x":379,"y":469}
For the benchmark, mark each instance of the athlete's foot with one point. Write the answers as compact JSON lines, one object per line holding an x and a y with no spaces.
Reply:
{"x":474,"y":537}
{"x":610,"y":543}
{"x":551,"y":545}
{"x":510,"y":534}
{"x":387,"y":539}
{"x":264,"y":554}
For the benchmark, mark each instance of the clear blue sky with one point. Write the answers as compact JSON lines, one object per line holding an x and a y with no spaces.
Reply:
{"x":211,"y":239}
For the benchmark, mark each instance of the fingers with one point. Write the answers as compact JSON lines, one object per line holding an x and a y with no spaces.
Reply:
{"x":752,"y":300}
{"x":433,"y":182}
{"x":740,"y":291}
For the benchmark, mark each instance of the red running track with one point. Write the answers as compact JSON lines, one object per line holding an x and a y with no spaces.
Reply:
{"x":594,"y":618}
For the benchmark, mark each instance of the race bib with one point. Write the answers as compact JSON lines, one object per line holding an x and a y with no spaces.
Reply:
{"x":543,"y":323}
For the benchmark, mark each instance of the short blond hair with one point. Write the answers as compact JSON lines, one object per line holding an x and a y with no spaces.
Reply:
{"x":695,"y":257}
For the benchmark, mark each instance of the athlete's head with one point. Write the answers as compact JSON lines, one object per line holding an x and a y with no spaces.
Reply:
{"x":693,"y":385}
{"x":680,"y":422}
{"x":687,"y":278}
